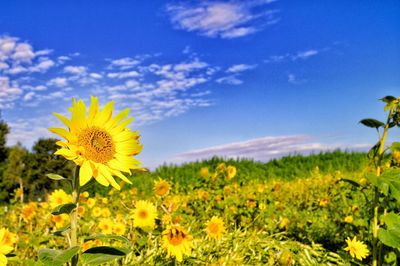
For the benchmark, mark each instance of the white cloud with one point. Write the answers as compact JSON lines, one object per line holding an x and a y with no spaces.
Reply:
{"x":264,"y":149}
{"x":305,"y":54}
{"x":121,"y":75}
{"x":231,"y":80}
{"x":42,"y":66}
{"x":8,"y":93}
{"x":59,"y":82}
{"x":124,"y":63}
{"x":221,"y":19}
{"x":240,"y":68}
{"x":77,"y":70}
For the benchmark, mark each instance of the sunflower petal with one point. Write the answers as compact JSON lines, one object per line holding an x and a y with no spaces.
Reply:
{"x":85,"y":173}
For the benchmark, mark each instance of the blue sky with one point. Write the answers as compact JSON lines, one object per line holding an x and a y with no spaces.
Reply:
{"x":252,"y":78}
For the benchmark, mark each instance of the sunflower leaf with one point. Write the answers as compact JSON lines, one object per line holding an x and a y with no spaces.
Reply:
{"x":64,"y":208}
{"x":53,"y":257}
{"x":103,"y":254}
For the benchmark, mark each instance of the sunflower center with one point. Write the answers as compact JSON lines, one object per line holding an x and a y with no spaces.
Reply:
{"x":143,"y":214}
{"x":213,"y":228}
{"x":98,"y":144}
{"x":176,"y":238}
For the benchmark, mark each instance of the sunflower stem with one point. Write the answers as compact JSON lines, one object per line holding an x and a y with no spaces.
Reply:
{"x":74,"y":214}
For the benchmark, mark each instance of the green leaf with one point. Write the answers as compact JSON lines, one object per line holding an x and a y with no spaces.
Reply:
{"x":388,"y":99}
{"x":370,"y":122}
{"x":109,"y":237}
{"x":389,"y":238}
{"x":102,"y":254}
{"x":392,"y":220}
{"x":61,"y":231}
{"x":52,"y":257}
{"x":55,"y":177}
{"x":64,"y":208}
{"x":374,"y":150}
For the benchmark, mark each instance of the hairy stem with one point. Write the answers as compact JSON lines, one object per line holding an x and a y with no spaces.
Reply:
{"x":74,"y":214}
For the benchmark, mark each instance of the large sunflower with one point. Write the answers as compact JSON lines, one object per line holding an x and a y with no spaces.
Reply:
{"x":100,"y":144}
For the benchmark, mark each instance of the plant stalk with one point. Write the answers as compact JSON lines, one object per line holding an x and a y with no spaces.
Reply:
{"x":375,"y":225}
{"x":74,"y":214}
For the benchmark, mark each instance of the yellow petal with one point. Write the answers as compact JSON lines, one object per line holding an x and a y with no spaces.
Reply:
{"x":93,"y":109}
{"x":3,"y":260}
{"x":63,"y":133}
{"x":120,"y":175}
{"x":63,"y":119}
{"x":102,"y":118}
{"x":103,"y":170}
{"x":117,"y":165}
{"x":70,"y":155}
{"x":85,"y":173}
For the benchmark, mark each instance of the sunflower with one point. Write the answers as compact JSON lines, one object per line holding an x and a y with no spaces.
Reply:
{"x":161,"y":187}
{"x":59,"y":197}
{"x":106,"y":226}
{"x":119,"y":228}
{"x":144,"y":215}
{"x":204,"y":172}
{"x":7,"y":240}
{"x":215,"y":227}
{"x":177,"y":242}
{"x":29,"y":211}
{"x":357,"y":248}
{"x":230,"y":172}
{"x":100,"y":144}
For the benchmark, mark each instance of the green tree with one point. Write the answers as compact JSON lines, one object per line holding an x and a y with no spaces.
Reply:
{"x":14,"y":170}
{"x":41,"y":162}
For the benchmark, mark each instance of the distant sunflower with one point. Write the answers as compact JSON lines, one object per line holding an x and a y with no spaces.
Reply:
{"x":161,"y":187}
{"x":58,"y":197}
{"x":100,"y":144}
{"x":230,"y":172}
{"x":144,"y":215}
{"x":177,"y":242}
{"x":357,"y":248}
{"x":215,"y":227}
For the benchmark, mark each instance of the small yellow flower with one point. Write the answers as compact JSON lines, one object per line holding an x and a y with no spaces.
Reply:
{"x":60,"y":220}
{"x":119,"y":228}
{"x":220,"y":168}
{"x":262,"y":206}
{"x":349,"y":219}
{"x":161,"y":187}
{"x":323,"y":202}
{"x":261,"y":188}
{"x":284,"y":224}
{"x":106,"y":226}
{"x":363,"y":182}
{"x":59,"y":197}
{"x":105,"y":212}
{"x":204,"y":172}
{"x":104,"y":200}
{"x":90,"y":202}
{"x":102,"y":145}
{"x":357,"y":248}
{"x":81,"y":210}
{"x":96,"y":212}
{"x":177,"y":242}
{"x":144,"y":215}
{"x":215,"y":227}
{"x":230,"y":172}
{"x":28,"y":211}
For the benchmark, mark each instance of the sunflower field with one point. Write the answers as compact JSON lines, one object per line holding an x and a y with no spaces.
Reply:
{"x":335,"y":208}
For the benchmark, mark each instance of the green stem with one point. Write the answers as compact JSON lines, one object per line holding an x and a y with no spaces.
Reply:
{"x":74,"y":214}
{"x":375,"y":225}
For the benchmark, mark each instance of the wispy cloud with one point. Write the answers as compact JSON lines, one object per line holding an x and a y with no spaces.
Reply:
{"x":265,"y":148}
{"x":300,"y":55}
{"x":227,"y":20}
{"x":240,"y":68}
